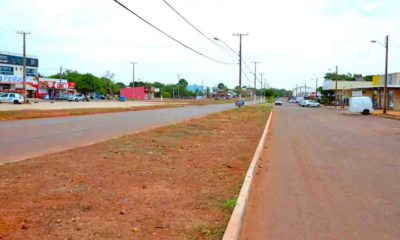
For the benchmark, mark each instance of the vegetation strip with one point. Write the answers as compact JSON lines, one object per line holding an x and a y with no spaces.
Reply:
{"x":236,"y":221}
{"x":176,"y":182}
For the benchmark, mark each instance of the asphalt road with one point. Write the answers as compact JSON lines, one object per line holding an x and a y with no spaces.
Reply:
{"x":29,"y":138}
{"x":326,"y":175}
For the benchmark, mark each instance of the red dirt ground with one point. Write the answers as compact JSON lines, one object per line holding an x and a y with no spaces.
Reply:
{"x":169,"y":183}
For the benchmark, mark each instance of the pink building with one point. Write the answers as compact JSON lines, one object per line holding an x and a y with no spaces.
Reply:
{"x":132,"y":93}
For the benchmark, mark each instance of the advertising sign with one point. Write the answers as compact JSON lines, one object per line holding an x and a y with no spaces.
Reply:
{"x":16,"y":60}
{"x":12,"y":79}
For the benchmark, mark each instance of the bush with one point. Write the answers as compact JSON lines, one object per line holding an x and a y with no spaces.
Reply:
{"x":271,"y":99}
{"x":166,"y":95}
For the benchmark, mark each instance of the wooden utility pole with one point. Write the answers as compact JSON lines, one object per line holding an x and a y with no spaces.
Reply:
{"x":255,"y":80}
{"x":133,"y":78}
{"x":336,"y":96}
{"x":385,"y":103}
{"x":24,"y":62}
{"x":240,"y":35}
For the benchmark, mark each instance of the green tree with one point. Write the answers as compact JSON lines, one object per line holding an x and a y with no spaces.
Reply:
{"x":221,"y":86}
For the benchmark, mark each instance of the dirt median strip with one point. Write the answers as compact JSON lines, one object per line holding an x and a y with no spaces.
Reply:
{"x":236,"y":221}
{"x":175,"y":182}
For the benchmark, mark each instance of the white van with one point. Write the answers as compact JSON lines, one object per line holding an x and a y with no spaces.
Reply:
{"x":361,"y":105}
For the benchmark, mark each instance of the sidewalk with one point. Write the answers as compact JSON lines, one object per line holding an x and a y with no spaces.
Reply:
{"x":389,"y":114}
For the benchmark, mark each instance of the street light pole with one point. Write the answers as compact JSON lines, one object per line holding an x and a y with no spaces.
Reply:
{"x":255,"y":80}
{"x":133,"y":78}
{"x":24,"y":62}
{"x":385,"y":90}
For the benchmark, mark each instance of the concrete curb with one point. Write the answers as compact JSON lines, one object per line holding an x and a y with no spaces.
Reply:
{"x":235,"y":224}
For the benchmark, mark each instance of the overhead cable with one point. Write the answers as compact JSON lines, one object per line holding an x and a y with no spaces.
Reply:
{"x":169,"y":36}
{"x":193,"y":26}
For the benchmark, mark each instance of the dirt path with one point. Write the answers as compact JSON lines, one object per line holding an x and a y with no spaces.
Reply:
{"x":176,"y":182}
{"x":327,"y":176}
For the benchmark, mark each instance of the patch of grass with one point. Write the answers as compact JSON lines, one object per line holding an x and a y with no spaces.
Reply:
{"x":229,"y":205}
{"x":206,"y":232}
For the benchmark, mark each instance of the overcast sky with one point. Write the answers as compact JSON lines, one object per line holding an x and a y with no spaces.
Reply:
{"x":295,"y":40}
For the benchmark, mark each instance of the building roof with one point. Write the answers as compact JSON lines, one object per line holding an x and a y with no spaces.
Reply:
{"x":18,"y":54}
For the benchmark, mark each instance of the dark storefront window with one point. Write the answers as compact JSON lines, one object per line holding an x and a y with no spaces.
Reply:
{"x":31,"y":72}
{"x":6,"y":70}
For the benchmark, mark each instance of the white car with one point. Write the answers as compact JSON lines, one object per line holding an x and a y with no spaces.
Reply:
{"x":11,"y":98}
{"x":278,"y":102}
{"x":292,"y":101}
{"x":309,"y":103}
{"x":76,"y":97}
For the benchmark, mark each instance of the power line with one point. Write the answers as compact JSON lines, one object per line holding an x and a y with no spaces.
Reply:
{"x":193,"y":26}
{"x":169,"y":36}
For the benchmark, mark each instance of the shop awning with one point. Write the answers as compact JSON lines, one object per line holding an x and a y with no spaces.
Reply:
{"x":28,"y":87}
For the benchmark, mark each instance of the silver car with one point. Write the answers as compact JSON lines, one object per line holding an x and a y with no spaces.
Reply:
{"x":11,"y":98}
{"x":76,"y":97}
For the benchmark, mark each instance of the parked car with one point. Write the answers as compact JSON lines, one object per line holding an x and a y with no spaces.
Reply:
{"x":76,"y":97}
{"x":62,"y":97}
{"x":239,"y":103}
{"x":11,"y":98}
{"x":310,"y":103}
{"x":299,"y":99}
{"x":361,"y":105}
{"x":278,"y":102}
{"x":292,"y":100}
{"x":302,"y":103}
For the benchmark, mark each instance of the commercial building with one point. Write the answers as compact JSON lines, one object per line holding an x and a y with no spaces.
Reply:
{"x":11,"y":78}
{"x":12,"y":64}
{"x":303,"y":91}
{"x":373,"y":89}
{"x":137,"y":93}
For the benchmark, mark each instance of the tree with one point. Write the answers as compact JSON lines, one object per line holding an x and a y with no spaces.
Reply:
{"x":120,"y":85}
{"x":221,"y":86}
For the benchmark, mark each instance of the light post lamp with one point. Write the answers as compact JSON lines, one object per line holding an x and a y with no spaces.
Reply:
{"x":385,"y":90}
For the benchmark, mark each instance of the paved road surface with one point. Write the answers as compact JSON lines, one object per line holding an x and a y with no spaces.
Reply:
{"x":27,"y":138}
{"x":326,"y":175}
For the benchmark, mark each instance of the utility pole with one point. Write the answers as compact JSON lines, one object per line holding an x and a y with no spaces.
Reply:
{"x":255,"y":80}
{"x":316,"y":89}
{"x":265,"y":97}
{"x":60,"y":83}
{"x":296,"y":90}
{"x":24,"y":61}
{"x":261,"y":85}
{"x":133,"y":78}
{"x":305,"y":90}
{"x":336,"y":96}
{"x":240,"y":35}
{"x":385,"y":90}
{"x":179,"y":78}
{"x":202,"y":88}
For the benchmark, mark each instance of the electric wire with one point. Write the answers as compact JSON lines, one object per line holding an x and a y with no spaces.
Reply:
{"x":169,"y":36}
{"x":193,"y":26}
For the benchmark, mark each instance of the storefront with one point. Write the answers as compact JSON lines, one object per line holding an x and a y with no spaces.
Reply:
{"x":44,"y":88}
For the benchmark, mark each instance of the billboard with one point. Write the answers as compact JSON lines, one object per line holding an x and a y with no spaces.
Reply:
{"x":16,"y":60}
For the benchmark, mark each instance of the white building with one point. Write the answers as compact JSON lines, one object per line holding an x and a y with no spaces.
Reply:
{"x":303,"y":91}
{"x":12,"y":64}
